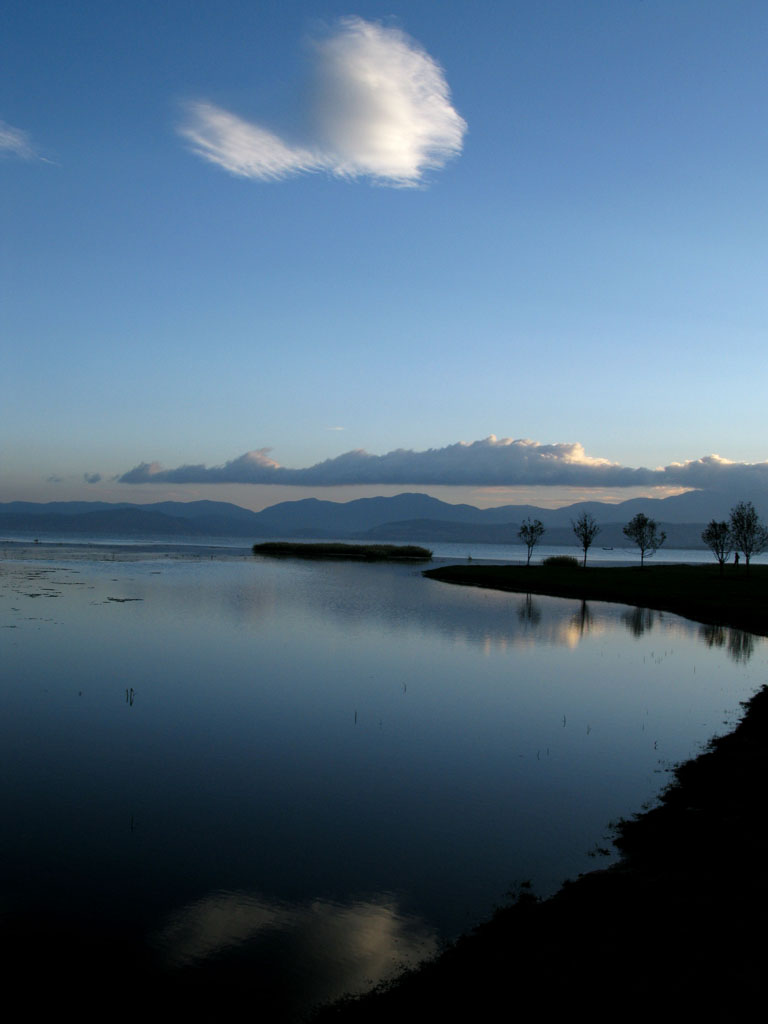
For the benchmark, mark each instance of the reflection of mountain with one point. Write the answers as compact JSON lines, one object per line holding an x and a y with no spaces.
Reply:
{"x":407,"y":516}
{"x":294,"y":955}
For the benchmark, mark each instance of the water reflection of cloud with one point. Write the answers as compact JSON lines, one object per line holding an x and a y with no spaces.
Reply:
{"x":324,"y":949}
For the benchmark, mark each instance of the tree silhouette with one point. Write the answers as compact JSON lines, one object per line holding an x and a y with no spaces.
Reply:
{"x":530,"y":534}
{"x":643,"y":532}
{"x":719,"y":540}
{"x":586,"y":529}
{"x":750,"y":536}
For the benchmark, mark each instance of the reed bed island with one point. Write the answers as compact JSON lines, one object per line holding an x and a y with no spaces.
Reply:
{"x":675,"y":928}
{"x":355,"y":552}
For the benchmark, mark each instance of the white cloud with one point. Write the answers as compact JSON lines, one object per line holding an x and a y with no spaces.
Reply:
{"x":382,"y":110}
{"x":385,"y":106}
{"x":493,"y":462}
{"x":15,"y":142}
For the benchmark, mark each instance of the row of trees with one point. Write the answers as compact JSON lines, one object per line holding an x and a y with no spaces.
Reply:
{"x":642,"y":531}
{"x":743,"y":532}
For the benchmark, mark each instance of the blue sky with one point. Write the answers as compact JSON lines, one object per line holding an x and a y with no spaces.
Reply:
{"x":307,"y":229}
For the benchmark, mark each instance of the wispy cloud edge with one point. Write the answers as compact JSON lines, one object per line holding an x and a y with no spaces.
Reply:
{"x":16,"y":142}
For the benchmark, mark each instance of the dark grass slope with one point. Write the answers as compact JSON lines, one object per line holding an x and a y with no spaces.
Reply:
{"x":735,"y":598}
{"x":676,"y":930}
{"x":359,"y":552}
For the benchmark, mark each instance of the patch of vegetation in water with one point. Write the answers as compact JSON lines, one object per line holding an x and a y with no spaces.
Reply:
{"x":357,"y":552}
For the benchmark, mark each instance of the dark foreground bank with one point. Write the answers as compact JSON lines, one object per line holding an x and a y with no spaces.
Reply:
{"x":701,"y":592}
{"x":677,"y":927}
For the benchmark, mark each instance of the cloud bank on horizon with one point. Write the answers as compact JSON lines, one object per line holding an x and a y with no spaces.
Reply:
{"x":492,"y":462}
{"x":383,"y":110}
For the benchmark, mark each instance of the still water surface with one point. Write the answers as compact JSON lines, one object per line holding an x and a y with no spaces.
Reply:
{"x":311,"y":773}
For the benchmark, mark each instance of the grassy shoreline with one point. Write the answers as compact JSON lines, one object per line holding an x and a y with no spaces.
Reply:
{"x":733,"y":598}
{"x":668,"y":930}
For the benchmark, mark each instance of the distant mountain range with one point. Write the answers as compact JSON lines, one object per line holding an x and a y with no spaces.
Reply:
{"x":404,"y":517}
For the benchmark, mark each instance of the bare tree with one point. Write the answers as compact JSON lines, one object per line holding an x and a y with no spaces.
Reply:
{"x":750,"y":536}
{"x":644,"y":532}
{"x":586,"y":529}
{"x":530,"y":534}
{"x":719,"y":540}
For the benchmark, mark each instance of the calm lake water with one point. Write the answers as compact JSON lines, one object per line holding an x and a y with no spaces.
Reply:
{"x":308,"y":774}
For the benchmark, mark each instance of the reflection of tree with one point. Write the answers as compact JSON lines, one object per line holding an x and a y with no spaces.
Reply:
{"x":639,"y":620}
{"x":713,"y":636}
{"x":529,"y":611}
{"x":582,"y":620}
{"x":740,"y":645}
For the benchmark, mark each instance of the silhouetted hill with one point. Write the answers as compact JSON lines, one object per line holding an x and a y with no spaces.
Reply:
{"x":129,"y":521}
{"x":364,"y":514}
{"x":407,"y":517}
{"x":193,"y":518}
